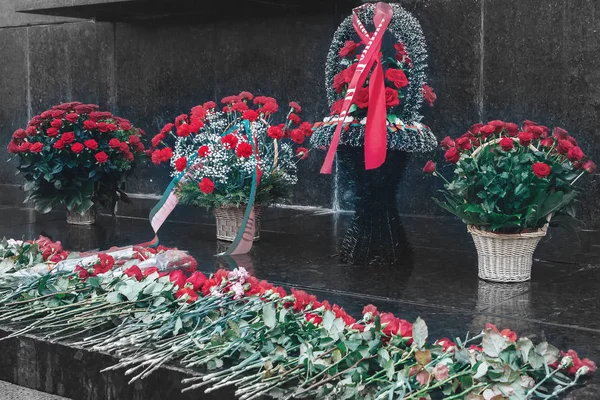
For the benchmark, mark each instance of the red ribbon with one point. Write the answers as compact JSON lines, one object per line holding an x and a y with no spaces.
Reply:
{"x":375,"y":129}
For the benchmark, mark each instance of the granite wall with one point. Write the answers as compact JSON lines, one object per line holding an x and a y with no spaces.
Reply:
{"x":489,"y":59}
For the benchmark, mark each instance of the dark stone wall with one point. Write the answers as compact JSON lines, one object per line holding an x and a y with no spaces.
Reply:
{"x":489,"y":59}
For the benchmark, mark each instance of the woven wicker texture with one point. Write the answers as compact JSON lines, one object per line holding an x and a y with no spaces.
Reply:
{"x":87,"y":218}
{"x":229,"y":220}
{"x":505,"y":258}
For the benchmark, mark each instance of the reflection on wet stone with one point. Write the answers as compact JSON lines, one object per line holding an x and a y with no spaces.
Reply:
{"x":376,"y":235}
{"x":505,"y":298}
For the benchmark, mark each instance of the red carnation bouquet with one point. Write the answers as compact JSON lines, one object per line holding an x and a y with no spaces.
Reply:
{"x":77,"y":156}
{"x":511,"y":179}
{"x":220,"y":149}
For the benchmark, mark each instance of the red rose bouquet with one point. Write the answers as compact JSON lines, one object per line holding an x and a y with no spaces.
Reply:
{"x":220,"y":150}
{"x":511,"y":179}
{"x":77,"y":156}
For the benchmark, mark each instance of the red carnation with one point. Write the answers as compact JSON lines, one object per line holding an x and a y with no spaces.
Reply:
{"x":76,"y":147}
{"x":541,"y":170}
{"x":240,"y":107}
{"x":157,"y":139}
{"x":397,"y":77}
{"x":269,"y":107}
{"x":72,"y":117}
{"x":101,"y":157}
{"x":229,"y":141}
{"x":59,"y":145}
{"x":294,"y":118}
{"x":246,"y":95}
{"x":391,"y":97}
{"x":186,"y":291}
{"x":89,"y":125}
{"x":68,"y":137}
{"x":56,"y":123}
{"x":243,"y":149}
{"x":307,"y":128}
{"x":166,"y":154}
{"x":134,"y":272}
{"x":452,"y":155}
{"x":156,"y":158}
{"x":525,"y":138}
{"x":91,"y":144}
{"x":183,"y":130}
{"x":511,"y":128}
{"x":231,"y":99}
{"x":428,"y":94}
{"x":275,"y":132}
{"x":198,"y":112}
{"x":209,"y":105}
{"x":447,"y":143}
{"x":429,"y":167}
{"x":295,"y":106}
{"x":206,"y":186}
{"x":250,"y":115}
{"x":180,"y":164}
{"x":52,"y":132}
{"x":297,"y":136}
{"x":36,"y":147}
{"x":349,"y":48}
{"x":180,"y":119}
{"x":203,"y":151}
{"x":507,"y":144}
{"x":302,"y":153}
{"x":575,"y":154}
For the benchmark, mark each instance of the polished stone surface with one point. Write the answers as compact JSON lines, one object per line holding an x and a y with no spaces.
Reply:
{"x":301,"y":248}
{"x":13,"y":392}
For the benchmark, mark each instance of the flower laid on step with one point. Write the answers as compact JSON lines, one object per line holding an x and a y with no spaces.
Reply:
{"x":512,"y":179}
{"x":76,"y":156}
{"x":258,"y":339}
{"x":220,"y":148}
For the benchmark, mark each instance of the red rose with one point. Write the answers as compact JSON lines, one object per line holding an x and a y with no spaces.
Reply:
{"x":134,"y":272}
{"x":536,"y":131}
{"x":361,"y":97}
{"x":68,"y":137}
{"x":507,"y":144}
{"x":124,"y":147}
{"x":102,"y":127}
{"x":541,"y":170}
{"x":525,"y":138}
{"x":59,"y":145}
{"x":510,"y":335}
{"x":294,"y":118}
{"x":428,"y":94}
{"x":302,"y":153}
{"x":133,"y":140}
{"x":76,"y":147}
{"x":297,"y":136}
{"x":275,"y":132}
{"x":572,"y":140}
{"x":197,"y":279}
{"x":295,"y":106}
{"x":474,"y":129}
{"x":336,"y":108}
{"x":349,"y":48}
{"x":128,"y":156}
{"x":25,"y":146}
{"x":397,"y":77}
{"x":209,"y":105}
{"x":464,"y":143}
{"x":206,"y":186}
{"x":105,"y":263}
{"x":243,"y":150}
{"x":203,"y":151}
{"x":89,"y":125}
{"x":59,"y":112}
{"x":91,"y":144}
{"x":429,"y":167}
{"x":589,"y":166}
{"x":31,"y":131}
{"x":452,"y":155}
{"x":400,"y":48}
{"x":447,"y":143}
{"x":52,"y":132}
{"x":178,"y":278}
{"x":511,"y":128}
{"x":56,"y":123}
{"x":114,"y":143}
{"x":111,"y":127}
{"x":575,"y":154}
{"x":190,"y":293}
{"x":547,"y":142}
{"x":564,"y":146}
{"x":250,"y":115}
{"x":20,"y":134}
{"x":72,"y":117}
{"x":348,"y":73}
{"x":36,"y":147}
{"x":151,"y":270}
{"x":166,"y":154}
{"x":229,"y":141}
{"x":497,"y":124}
{"x":180,"y":164}
{"x":578,"y":363}
{"x":487,"y":130}
{"x":101,"y":157}
{"x":391,"y":97}
{"x":560,"y":133}
{"x":269,"y":108}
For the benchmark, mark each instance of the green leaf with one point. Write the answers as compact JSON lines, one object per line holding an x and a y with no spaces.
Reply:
{"x":178,"y":326}
{"x":269,"y":315}
{"x":420,"y":332}
{"x":494,"y":343}
{"x":328,"y":319}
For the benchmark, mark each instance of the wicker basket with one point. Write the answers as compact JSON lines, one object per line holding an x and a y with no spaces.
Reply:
{"x":505,"y":257}
{"x":87,"y":218}
{"x":230,"y":218}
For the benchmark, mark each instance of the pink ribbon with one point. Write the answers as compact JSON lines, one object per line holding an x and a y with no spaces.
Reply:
{"x":375,"y":129}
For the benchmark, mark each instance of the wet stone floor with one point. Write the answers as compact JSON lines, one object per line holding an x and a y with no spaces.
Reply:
{"x":435,"y":278}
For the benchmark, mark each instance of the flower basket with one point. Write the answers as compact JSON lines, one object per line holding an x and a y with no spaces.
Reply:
{"x":87,"y":218}
{"x":505,"y":257}
{"x":229,"y":219}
